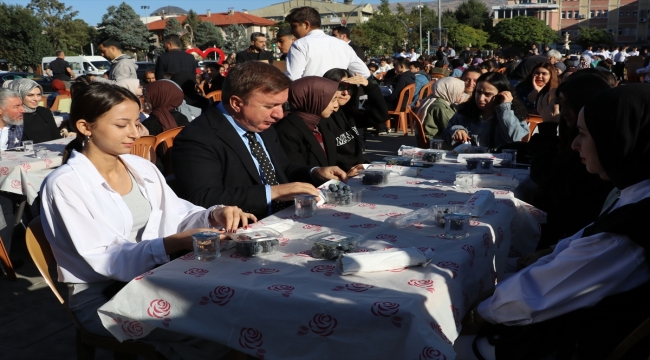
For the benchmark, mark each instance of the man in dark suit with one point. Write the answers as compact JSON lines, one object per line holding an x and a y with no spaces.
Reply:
{"x":175,"y":60}
{"x":343,"y":33}
{"x":231,"y":154}
{"x":255,"y":52}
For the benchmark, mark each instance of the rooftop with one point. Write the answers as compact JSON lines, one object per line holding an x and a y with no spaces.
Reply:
{"x":219,"y":19}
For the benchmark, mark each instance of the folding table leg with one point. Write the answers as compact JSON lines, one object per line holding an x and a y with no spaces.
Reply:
{"x":6,"y":262}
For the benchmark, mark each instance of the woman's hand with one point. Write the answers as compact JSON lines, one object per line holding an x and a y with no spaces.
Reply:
{"x":183,"y":240}
{"x":548,"y":108}
{"x":229,"y":217}
{"x":503,"y":97}
{"x":356,"y":80}
{"x":354,"y":171}
{"x":460,"y":136}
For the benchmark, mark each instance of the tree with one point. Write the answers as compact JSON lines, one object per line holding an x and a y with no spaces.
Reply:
{"x":473,"y":13}
{"x":235,"y":39}
{"x":123,"y":24}
{"x":61,"y":28}
{"x":383,"y":33}
{"x":462,"y":35}
{"x":522,"y":32}
{"x":172,"y":26}
{"x":208,"y":35}
{"x":22,"y":41}
{"x":594,"y":36}
{"x":193,"y":20}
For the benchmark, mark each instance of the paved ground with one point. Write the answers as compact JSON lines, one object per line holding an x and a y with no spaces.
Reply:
{"x":34,"y":326}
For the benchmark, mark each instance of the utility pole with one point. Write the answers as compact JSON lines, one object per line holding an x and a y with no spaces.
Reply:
{"x":420,"y":7}
{"x":439,"y":23}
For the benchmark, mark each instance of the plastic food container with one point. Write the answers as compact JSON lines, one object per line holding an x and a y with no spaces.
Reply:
{"x":439,"y":212}
{"x":398,"y":160}
{"x":377,"y":165}
{"x":471,"y":150}
{"x":485,"y":166}
{"x":374,"y":177}
{"x":331,"y":244}
{"x":341,"y":195}
{"x":432,"y":155}
{"x":257,"y":242}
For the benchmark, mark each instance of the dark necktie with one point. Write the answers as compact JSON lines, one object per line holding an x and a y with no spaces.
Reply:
{"x":265,"y":164}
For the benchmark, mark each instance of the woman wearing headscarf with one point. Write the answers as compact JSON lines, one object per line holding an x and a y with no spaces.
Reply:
{"x":584,"y":298}
{"x":436,"y":110}
{"x":353,"y":114}
{"x":300,"y":133}
{"x":38,"y":122}
{"x":164,"y":97}
{"x":585,"y":62}
{"x":58,"y":88}
{"x":188,"y":84}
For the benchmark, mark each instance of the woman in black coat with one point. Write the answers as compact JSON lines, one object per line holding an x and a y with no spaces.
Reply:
{"x":38,"y":122}
{"x":301,"y":135}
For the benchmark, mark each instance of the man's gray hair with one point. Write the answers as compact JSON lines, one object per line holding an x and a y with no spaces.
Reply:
{"x":7,"y":94}
{"x":554,"y":53}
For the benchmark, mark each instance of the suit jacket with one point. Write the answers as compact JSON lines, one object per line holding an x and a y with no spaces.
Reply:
{"x":300,"y":144}
{"x":40,"y":126}
{"x":175,"y":61}
{"x":357,"y":49}
{"x":247,"y":55}
{"x":213,"y":166}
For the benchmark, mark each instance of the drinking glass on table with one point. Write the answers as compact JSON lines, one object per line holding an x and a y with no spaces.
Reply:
{"x":28,"y":146}
{"x":40,"y":152}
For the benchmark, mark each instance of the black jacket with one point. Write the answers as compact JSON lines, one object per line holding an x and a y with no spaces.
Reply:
{"x":358,"y":50}
{"x":213,"y":166}
{"x":155,"y":127}
{"x":248,"y":55}
{"x":401,"y":82}
{"x":40,"y":126}
{"x":300,"y":144}
{"x":175,"y":61}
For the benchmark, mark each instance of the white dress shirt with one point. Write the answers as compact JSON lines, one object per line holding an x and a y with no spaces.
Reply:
{"x":579,"y":273}
{"x":634,"y":53}
{"x":316,"y":53}
{"x":4,"y":138}
{"x":620,"y":56}
{"x":88,"y":224}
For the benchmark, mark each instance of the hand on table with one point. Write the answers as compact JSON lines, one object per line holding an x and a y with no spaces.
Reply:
{"x":460,"y":136}
{"x":183,"y":240}
{"x":230,"y":216}
{"x":354,"y":171}
{"x":286,"y":192}
{"x":322,"y":174}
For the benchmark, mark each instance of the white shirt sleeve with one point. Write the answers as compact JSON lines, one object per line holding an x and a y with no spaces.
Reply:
{"x":579,"y":273}
{"x":296,"y":62}
{"x":357,"y":66}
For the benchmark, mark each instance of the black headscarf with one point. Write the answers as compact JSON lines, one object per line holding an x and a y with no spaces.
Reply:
{"x":187,"y":82}
{"x":619,"y":122}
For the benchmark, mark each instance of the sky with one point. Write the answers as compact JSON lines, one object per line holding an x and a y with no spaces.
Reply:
{"x":91,"y":11}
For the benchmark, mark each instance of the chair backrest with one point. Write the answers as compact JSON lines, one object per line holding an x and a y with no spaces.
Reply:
{"x":62,"y":104}
{"x":437,"y":75}
{"x":405,"y":94}
{"x":632,"y":64}
{"x":426,"y":89}
{"x":532,"y":121}
{"x":215,"y":96}
{"x":163,"y":147}
{"x":167,"y":137}
{"x":144,"y":147}
{"x":418,"y":128}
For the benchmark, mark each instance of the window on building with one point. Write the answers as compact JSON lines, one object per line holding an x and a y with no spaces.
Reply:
{"x":598,"y":14}
{"x":620,"y":31}
{"x":633,"y":32}
{"x":576,"y":33}
{"x":634,"y":13}
{"x":563,"y":14}
{"x":604,"y":13}
{"x":621,"y":14}
{"x":628,"y":13}
{"x":626,"y":32}
{"x":570,"y":14}
{"x":576,"y":14}
{"x":592,"y":14}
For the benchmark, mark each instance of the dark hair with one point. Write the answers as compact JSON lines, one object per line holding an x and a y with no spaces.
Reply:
{"x":76,"y":86}
{"x":342,"y":30}
{"x":489,"y":65}
{"x":109,"y":41}
{"x":456,"y":63}
{"x":302,"y":14}
{"x":401,"y":62}
{"x":284,"y":32}
{"x":338,"y":75}
{"x":499,"y":81}
{"x":173,"y":39}
{"x":372,"y":64}
{"x":552,"y":83}
{"x":252,"y":76}
{"x":84,"y":79}
{"x":470,"y":69}
{"x":149,"y":72}
{"x":416,"y":64}
{"x":58,"y":53}
{"x":605,"y":75}
{"x":255,"y":35}
{"x":90,"y":103}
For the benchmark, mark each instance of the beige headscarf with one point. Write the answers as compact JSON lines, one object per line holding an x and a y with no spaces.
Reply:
{"x":129,"y":84}
{"x":447,"y":89}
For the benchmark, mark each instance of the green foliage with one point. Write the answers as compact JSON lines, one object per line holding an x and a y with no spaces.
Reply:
{"x":172,"y":26}
{"x":448,"y":18}
{"x":22,"y":41}
{"x":207,"y":35}
{"x":123,"y":24}
{"x":461,"y":36}
{"x":236,"y":39}
{"x":594,"y":36}
{"x":522,"y":32}
{"x":61,"y":28}
{"x":383,"y":33}
{"x":474,"y":13}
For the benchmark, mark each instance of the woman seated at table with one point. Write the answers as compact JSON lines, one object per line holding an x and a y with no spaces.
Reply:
{"x":110,"y":216}
{"x":492,"y":115}
{"x":352,"y":115}
{"x":302,"y":137}
{"x":583,"y":299}
{"x":39,"y":124}
{"x":58,"y":88}
{"x":191,"y":92}
{"x":164,"y":97}
{"x":541,"y":80}
{"x":438,"y":108}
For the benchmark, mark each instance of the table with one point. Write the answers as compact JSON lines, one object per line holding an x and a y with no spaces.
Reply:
{"x":289,"y":305}
{"x":23,"y":174}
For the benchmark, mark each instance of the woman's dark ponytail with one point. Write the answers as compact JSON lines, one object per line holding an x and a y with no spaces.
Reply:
{"x":75,"y":144}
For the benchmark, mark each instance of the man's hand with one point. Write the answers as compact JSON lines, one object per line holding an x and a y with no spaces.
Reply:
{"x":286,"y":192}
{"x":230,"y":216}
{"x":356,"y":80}
{"x":460,"y":136}
{"x":354,"y":171}
{"x":322,"y":174}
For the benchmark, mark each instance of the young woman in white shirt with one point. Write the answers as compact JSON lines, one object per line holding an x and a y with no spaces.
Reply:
{"x":110,"y":216}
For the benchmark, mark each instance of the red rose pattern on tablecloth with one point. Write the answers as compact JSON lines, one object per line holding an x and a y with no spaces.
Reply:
{"x":305,"y":253}
{"x":221,"y":296}
{"x":131,"y":328}
{"x":486,"y":243}
{"x":370,"y":206}
{"x":470,"y":251}
{"x":449,"y":265}
{"x":391,"y":214}
{"x":390,"y":237}
{"x":250,"y":338}
{"x":413,"y":182}
{"x":143,"y":275}
{"x":16,"y":184}
{"x":506,"y":202}
{"x":196,"y":272}
{"x":397,"y":270}
{"x":500,"y":192}
{"x":160,"y":309}
{"x":437,"y":195}
{"x":415,"y":204}
{"x":188,"y":256}
{"x":321,"y":324}
{"x":536,"y":213}
{"x":262,"y":271}
{"x":425,"y":248}
{"x":314,"y":227}
{"x":361,"y":250}
{"x":4,"y":171}
{"x":47,"y":162}
{"x":387,"y":309}
{"x":438,"y":329}
{"x":424,"y":284}
{"x":356,"y":287}
{"x":286,"y":290}
{"x":328,"y":270}
{"x":25,"y":166}
{"x":283,"y":241}
{"x":499,"y":237}
{"x":429,"y":353}
{"x":438,"y":236}
{"x":239,"y":256}
{"x":474,"y":223}
{"x":343,"y":215}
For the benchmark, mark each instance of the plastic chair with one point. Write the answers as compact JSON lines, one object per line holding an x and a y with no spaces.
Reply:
{"x":418,"y":127}
{"x":6,"y":262}
{"x":437,"y":76}
{"x":532,"y":121}
{"x":62,"y":104}
{"x":380,"y":76}
{"x":632,"y":64}
{"x":426,"y":90}
{"x":41,"y":252}
{"x":163,"y":146}
{"x":215,"y":96}
{"x":145,"y":147}
{"x":406,"y":93}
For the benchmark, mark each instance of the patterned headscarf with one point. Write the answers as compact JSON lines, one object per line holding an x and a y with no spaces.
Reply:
{"x":23,"y":87}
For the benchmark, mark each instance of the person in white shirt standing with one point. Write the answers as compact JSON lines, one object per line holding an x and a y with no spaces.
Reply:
{"x":314,"y":52}
{"x":619,"y":60}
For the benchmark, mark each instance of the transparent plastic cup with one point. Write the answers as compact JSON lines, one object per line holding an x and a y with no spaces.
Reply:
{"x":206,"y":245}
{"x":305,"y":205}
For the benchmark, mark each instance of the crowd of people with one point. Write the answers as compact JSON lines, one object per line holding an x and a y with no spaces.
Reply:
{"x":110,"y":216}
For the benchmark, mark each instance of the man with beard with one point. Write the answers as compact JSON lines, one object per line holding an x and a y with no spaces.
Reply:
{"x":256,"y":52}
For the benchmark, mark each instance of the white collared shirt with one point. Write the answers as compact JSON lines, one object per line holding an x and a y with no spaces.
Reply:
{"x":88,"y":224}
{"x":579,"y":273}
{"x":316,"y":53}
{"x":4,"y":137}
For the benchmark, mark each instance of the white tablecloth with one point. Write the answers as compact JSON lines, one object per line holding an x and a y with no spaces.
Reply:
{"x":22,"y":173}
{"x":289,"y":305}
